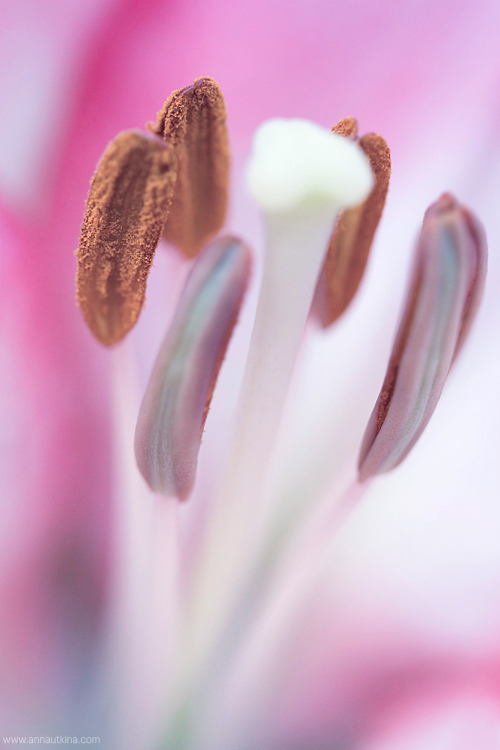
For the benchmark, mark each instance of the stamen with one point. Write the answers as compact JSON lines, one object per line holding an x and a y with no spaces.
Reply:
{"x":352,"y":238}
{"x":125,"y":213}
{"x":193,"y":121}
{"x":445,"y":292}
{"x":175,"y":406}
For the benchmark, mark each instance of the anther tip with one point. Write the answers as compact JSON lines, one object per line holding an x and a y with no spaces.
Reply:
{"x":347,"y":127}
{"x":446,"y":202}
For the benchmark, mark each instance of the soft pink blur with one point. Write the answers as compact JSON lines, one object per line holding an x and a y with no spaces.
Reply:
{"x":426,"y":76}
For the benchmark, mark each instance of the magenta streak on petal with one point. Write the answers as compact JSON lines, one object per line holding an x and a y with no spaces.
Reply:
{"x":445,"y":292}
{"x":54,"y":571}
{"x":174,"y":409}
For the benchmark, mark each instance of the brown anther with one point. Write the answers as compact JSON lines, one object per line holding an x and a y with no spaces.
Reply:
{"x":353,"y":234}
{"x":193,"y":121}
{"x":125,"y":213}
{"x":348,"y":127}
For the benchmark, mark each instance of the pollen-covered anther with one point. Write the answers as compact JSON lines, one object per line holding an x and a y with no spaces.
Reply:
{"x":445,"y":291}
{"x":353,"y":235}
{"x":175,"y":406}
{"x":193,"y":122}
{"x":125,"y":213}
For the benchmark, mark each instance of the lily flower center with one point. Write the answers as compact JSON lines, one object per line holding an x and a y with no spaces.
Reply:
{"x":321,"y":194}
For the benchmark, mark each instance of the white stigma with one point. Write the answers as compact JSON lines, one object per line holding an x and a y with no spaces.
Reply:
{"x":296,"y":163}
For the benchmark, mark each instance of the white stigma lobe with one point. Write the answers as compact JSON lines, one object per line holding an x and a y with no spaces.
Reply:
{"x":297,"y":164}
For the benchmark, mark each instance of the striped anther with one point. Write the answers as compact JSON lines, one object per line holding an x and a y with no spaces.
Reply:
{"x":175,"y":406}
{"x":445,"y":291}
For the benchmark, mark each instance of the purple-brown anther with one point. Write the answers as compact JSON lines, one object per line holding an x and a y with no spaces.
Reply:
{"x":445,"y":291}
{"x":125,"y":213}
{"x":175,"y":406}
{"x":352,"y":237}
{"x":193,"y":122}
